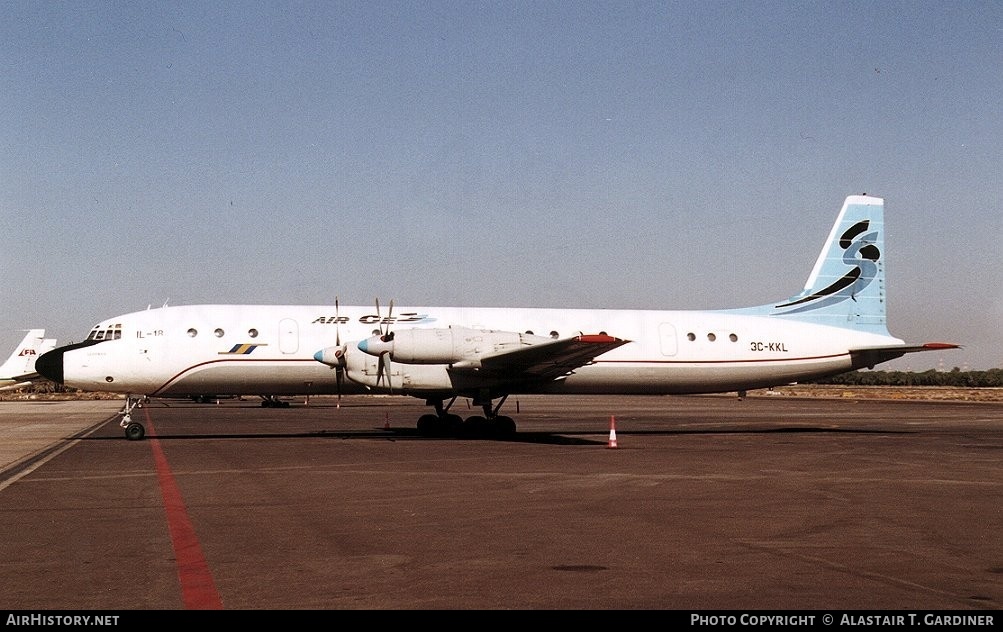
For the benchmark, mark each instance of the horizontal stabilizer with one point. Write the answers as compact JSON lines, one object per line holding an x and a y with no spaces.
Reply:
{"x":871,"y":356}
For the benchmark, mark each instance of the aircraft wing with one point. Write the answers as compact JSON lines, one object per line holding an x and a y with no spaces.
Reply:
{"x":548,"y":360}
{"x":871,"y":356}
{"x":26,"y":377}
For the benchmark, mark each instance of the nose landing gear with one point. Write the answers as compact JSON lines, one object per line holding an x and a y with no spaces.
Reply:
{"x":134,"y":431}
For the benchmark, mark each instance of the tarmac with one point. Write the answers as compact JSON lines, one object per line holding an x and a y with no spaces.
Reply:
{"x":598,"y":503}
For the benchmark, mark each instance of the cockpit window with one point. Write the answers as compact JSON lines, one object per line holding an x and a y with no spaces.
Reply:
{"x":110,"y":332}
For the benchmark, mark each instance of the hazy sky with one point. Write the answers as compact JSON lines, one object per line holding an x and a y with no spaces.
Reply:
{"x":676,"y":155}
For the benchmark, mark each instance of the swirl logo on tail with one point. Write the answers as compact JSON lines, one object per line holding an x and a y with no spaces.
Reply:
{"x":860,"y":252}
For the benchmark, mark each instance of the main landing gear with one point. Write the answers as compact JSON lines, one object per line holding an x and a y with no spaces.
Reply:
{"x":134,"y":431}
{"x":273,"y":401}
{"x":443,"y":423}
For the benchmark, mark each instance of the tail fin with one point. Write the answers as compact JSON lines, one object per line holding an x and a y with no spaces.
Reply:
{"x":846,"y":288}
{"x":22,"y":361}
{"x":47,"y":345}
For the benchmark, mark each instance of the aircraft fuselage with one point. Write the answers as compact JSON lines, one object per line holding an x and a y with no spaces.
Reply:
{"x":253,"y":349}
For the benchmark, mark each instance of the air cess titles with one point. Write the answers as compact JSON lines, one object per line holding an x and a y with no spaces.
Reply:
{"x":372,"y":319}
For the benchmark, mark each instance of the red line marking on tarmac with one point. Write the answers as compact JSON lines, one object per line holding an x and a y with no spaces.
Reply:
{"x":198,"y":590}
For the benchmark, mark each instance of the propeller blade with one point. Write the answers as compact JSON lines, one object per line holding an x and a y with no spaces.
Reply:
{"x":386,"y":321}
{"x":334,"y":357}
{"x":384,"y":370}
{"x":339,"y":373}
{"x":339,"y":376}
{"x":339,"y":367}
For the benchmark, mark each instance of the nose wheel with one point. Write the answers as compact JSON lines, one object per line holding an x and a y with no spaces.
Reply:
{"x":134,"y":431}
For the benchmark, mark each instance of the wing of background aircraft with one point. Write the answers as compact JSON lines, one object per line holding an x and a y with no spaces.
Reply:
{"x":836,"y":323}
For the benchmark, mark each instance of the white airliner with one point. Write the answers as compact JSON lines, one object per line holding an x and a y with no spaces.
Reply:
{"x":836,"y":324}
{"x":19,"y":369}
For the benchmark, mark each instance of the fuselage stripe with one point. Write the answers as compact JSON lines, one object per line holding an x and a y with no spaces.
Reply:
{"x":731,"y":361}
{"x":183,"y":373}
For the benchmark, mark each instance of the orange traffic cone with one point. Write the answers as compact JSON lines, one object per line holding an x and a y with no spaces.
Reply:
{"x":612,"y":432}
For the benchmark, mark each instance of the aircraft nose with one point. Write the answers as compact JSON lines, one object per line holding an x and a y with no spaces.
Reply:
{"x":50,"y":365}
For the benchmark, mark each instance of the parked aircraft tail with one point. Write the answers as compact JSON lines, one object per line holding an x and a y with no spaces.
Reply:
{"x":22,"y":360}
{"x":19,"y":369}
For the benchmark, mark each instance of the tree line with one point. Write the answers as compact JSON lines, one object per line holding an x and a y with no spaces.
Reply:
{"x":955,"y":377}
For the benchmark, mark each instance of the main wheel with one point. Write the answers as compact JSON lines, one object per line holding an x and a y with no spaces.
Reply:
{"x":504,"y":426}
{"x":475,"y":426}
{"x":452,"y":425}
{"x":427,"y":425}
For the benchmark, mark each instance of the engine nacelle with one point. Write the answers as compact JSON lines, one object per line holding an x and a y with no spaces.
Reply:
{"x":404,"y":379}
{"x":451,"y":345}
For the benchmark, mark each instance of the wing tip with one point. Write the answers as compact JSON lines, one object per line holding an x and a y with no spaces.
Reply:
{"x":935,"y":346}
